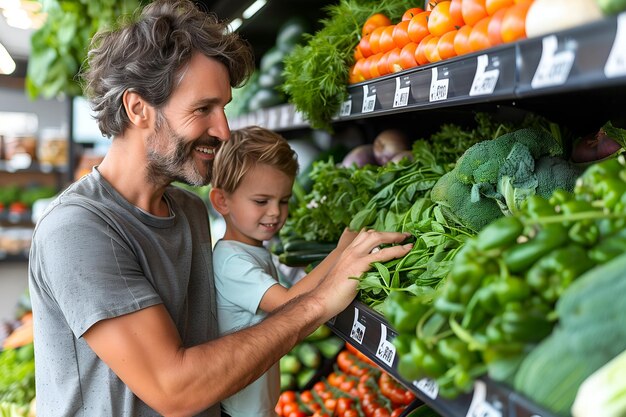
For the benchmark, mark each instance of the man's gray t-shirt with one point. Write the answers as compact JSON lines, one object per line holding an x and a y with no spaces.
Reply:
{"x":95,"y":256}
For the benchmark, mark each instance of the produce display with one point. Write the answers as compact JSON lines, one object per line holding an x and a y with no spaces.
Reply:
{"x":17,"y":381}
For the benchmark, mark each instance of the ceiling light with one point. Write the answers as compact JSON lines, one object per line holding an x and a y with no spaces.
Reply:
{"x":235,"y":24}
{"x":253,"y":8}
{"x":7,"y":65}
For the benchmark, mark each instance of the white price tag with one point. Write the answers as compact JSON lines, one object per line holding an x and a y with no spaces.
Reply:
{"x":616,"y":63}
{"x":428,"y":387}
{"x":369,"y":99}
{"x":403,"y":88}
{"x":485,"y":80}
{"x":554,"y":66}
{"x":285,"y":115}
{"x":438,"y":88}
{"x":346,"y":108}
{"x":358,"y":329}
{"x":272,"y":118}
{"x":480,"y":407}
{"x":386,"y":351}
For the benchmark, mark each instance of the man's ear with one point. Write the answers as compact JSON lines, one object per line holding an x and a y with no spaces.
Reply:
{"x":137,"y":109}
{"x":218,"y":200}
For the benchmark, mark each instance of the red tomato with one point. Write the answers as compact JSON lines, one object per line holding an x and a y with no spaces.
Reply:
{"x":478,"y":38}
{"x":430,"y":50}
{"x":287,"y":397}
{"x":381,"y":412}
{"x":364,"y":46}
{"x":398,"y":412}
{"x":374,"y":21}
{"x":386,"y":41}
{"x":319,"y":387}
{"x":351,"y":413}
{"x":445,"y":47}
{"x":492,"y":6}
{"x":401,"y":34}
{"x":418,"y":27}
{"x":408,"y":15}
{"x":494,"y":29}
{"x":407,"y":56}
{"x":297,"y":414}
{"x":461,"y":40}
{"x":343,"y":404}
{"x":330,"y":404}
{"x":440,"y":21}
{"x":514,"y":22}
{"x":306,"y":396}
{"x":289,"y":408}
{"x":473,"y":11}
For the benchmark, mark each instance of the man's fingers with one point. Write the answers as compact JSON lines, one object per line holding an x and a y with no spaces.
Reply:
{"x":391,"y":252}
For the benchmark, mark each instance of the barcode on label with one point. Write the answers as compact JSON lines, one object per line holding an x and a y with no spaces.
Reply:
{"x":386,"y":351}
{"x":438,"y":87}
{"x":369,"y":99}
{"x":428,"y":387}
{"x":401,"y":96}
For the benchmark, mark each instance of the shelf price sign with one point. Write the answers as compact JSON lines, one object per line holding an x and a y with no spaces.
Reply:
{"x":369,"y":99}
{"x":438,"y":87}
{"x":358,"y":329}
{"x":616,"y":63}
{"x":428,"y":387}
{"x":485,"y":79}
{"x":480,"y":407}
{"x":555,"y":64}
{"x":346,"y":108}
{"x":403,"y":88}
{"x":386,"y":351}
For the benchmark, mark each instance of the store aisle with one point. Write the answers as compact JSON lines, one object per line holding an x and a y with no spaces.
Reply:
{"x":13,"y":282}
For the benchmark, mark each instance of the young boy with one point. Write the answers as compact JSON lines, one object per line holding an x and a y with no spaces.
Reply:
{"x":253,"y":175}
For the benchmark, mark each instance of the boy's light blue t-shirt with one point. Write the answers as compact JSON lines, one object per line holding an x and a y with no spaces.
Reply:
{"x":243,"y":273}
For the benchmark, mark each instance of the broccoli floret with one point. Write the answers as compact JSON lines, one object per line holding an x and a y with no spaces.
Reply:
{"x":456,"y":196}
{"x":555,"y":173}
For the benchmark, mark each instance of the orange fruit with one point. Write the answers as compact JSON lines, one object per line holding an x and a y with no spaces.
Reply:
{"x":401,"y":34}
{"x":374,"y":21}
{"x":473,"y":11}
{"x":461,"y":40}
{"x":418,"y":27}
{"x":439,"y":21}
{"x":495,"y":26}
{"x":430,"y":49}
{"x":492,"y":6}
{"x":479,"y":38}
{"x":386,"y":42}
{"x":407,"y":56}
{"x":408,"y":15}
{"x":420,"y":56}
{"x":445,"y":46}
{"x":514,"y":22}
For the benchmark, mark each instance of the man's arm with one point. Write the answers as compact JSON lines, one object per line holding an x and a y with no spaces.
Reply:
{"x":144,"y":349}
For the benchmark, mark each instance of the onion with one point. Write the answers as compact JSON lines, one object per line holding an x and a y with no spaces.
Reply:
{"x":594,"y":147}
{"x":388,"y":143}
{"x":361,"y":156}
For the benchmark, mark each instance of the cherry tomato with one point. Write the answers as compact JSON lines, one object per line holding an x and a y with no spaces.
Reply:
{"x":401,"y":34}
{"x":494,"y":29}
{"x":473,"y":11}
{"x":319,"y":387}
{"x":351,"y":413}
{"x":306,"y":396}
{"x":514,"y":22}
{"x":330,"y":404}
{"x":287,"y":397}
{"x":397,"y":412}
{"x":440,"y":21}
{"x":343,"y":404}
{"x":418,"y":27}
{"x":298,"y":413}
{"x":492,"y":6}
{"x":381,"y":412}
{"x":479,"y":38}
{"x":289,"y":408}
{"x":409,"y":13}
{"x":374,"y":21}
{"x":461,"y":40}
{"x":445,"y":47}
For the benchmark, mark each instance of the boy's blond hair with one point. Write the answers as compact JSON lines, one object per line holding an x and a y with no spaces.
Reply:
{"x":247,"y":148}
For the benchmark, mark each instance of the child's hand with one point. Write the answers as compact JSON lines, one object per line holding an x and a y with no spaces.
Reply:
{"x":346,"y":238}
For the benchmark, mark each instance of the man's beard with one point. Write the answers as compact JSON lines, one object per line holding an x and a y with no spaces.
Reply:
{"x":170,"y":159}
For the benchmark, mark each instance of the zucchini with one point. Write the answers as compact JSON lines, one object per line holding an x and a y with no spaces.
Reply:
{"x":301,"y":258}
{"x":296,"y":244}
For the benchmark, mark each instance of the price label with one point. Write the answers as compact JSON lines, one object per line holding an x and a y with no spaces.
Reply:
{"x":369,"y":99}
{"x":480,"y":407}
{"x":346,"y":108}
{"x":386,"y":351}
{"x":272,"y":118}
{"x":403,"y":89}
{"x":485,"y":80}
{"x":428,"y":387}
{"x":554,"y":65}
{"x":616,"y":63}
{"x":285,"y":115}
{"x":298,"y":118}
{"x":438,"y":87}
{"x":358,"y":329}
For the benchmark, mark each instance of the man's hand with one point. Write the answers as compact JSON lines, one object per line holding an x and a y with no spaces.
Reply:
{"x":338,"y":288}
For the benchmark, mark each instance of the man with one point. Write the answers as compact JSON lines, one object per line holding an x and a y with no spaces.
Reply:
{"x":120,"y":267}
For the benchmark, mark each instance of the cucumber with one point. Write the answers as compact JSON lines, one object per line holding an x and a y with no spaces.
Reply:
{"x":305,"y":376}
{"x":330,"y":347}
{"x":294,"y":245}
{"x":301,"y":258}
{"x":290,"y":364}
{"x":309,"y":355}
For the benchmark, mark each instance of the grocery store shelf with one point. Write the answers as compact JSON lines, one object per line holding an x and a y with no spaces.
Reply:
{"x":33,"y":167}
{"x":372,"y":335}
{"x":582,"y":58}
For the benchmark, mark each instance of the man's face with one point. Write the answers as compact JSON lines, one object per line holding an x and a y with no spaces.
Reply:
{"x":190,"y":128}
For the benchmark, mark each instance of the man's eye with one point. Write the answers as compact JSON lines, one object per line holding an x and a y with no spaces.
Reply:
{"x":260,"y":202}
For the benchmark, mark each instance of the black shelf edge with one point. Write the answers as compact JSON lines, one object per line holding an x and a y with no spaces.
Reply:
{"x":582,"y":58}
{"x":369,"y":332}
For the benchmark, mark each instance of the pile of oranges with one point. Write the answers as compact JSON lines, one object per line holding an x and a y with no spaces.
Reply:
{"x":446,"y":28}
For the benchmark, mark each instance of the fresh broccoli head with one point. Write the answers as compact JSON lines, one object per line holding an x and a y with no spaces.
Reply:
{"x":555,"y":173}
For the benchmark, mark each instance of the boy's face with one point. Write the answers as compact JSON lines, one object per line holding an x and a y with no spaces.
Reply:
{"x":259,"y":206}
